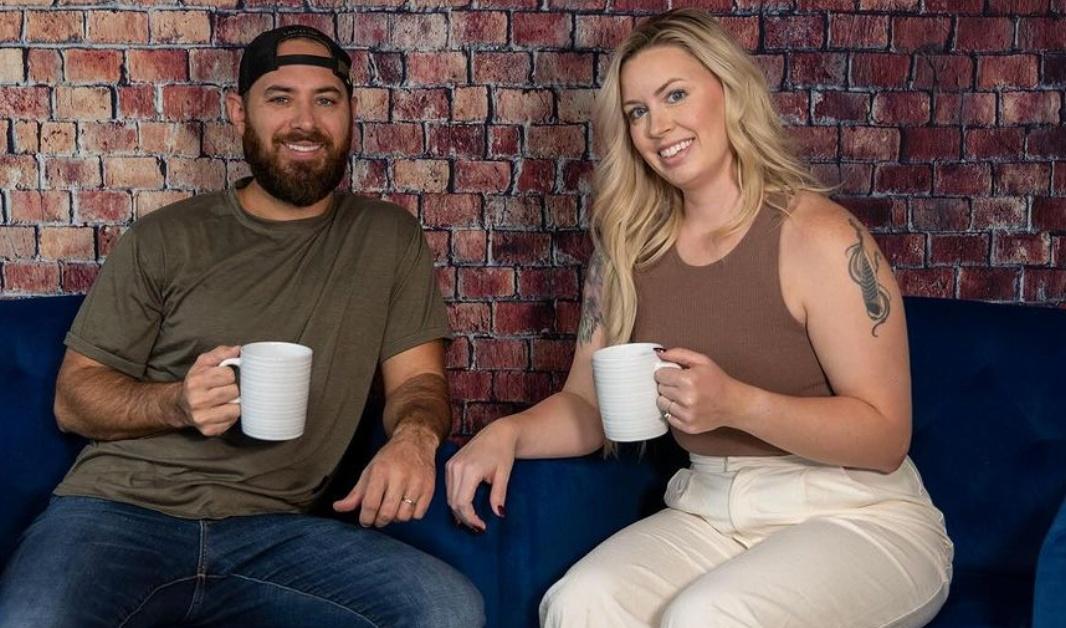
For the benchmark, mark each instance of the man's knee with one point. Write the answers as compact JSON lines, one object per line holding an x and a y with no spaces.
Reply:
{"x":448,"y":600}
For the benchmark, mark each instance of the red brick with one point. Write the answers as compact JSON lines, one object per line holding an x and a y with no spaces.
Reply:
{"x":991,"y":284}
{"x":536,"y":175}
{"x":108,"y":137}
{"x":955,"y":7}
{"x":816,"y":143}
{"x":910,"y":108}
{"x":602,"y":31}
{"x":903,"y":179}
{"x":994,"y":143}
{"x":437,"y":68}
{"x":451,"y":210}
{"x":925,"y":34}
{"x":102,"y":206}
{"x":999,"y":213}
{"x":457,"y":140}
{"x":181,"y":102}
{"x":470,"y":104}
{"x":518,"y":106}
{"x":1042,"y":285}
{"x":1032,"y":249}
{"x":963,"y":179}
{"x":858,"y":31}
{"x":118,"y":27}
{"x":838,"y":106}
{"x":470,"y":385}
{"x":561,"y":211}
{"x":773,"y":68}
{"x":958,"y":249}
{"x":504,"y":141}
{"x":106,"y":238}
{"x":10,"y":26}
{"x":363,"y":29}
{"x":78,"y":277}
{"x":31,"y":103}
{"x":1058,"y":251}
{"x":421,"y":175}
{"x":873,"y":143}
{"x":457,"y":355}
{"x":369,"y":175}
{"x":1022,"y":178}
{"x":420,"y":104}
{"x":36,"y":207}
{"x":418,"y":31}
{"x":576,"y":105}
{"x":1047,"y":142}
{"x":478,"y":283}
{"x":153,"y":66}
{"x":577,"y":176}
{"x":482,"y":176}
{"x":169,"y":139}
{"x":92,"y":66}
{"x":24,"y":134}
{"x":67,"y":243}
{"x":522,"y":212}
{"x":31,"y":277}
{"x":556,"y":141}
{"x":745,"y":30}
{"x":371,"y":104}
{"x":83,"y":103}
{"x":501,"y":68}
{"x":55,"y":26}
{"x":552,"y":355}
{"x":1007,"y":71}
{"x":478,"y":27}
{"x":551,"y":30}
{"x":927,"y":282}
{"x":970,"y":109}
{"x":550,"y":283}
{"x":793,"y":32}
{"x":984,"y":34}
{"x":940,"y":214}
{"x":147,"y":201}
{"x":321,"y":21}
{"x":500,"y":354}
{"x":583,"y":5}
{"x":817,"y":68}
{"x":1017,"y":7}
{"x":931,"y":143}
{"x":793,"y":107}
{"x":17,"y":242}
{"x":195,"y":174}
{"x":179,"y":27}
{"x":62,"y":173}
{"x":562,"y":68}
{"x":44,"y":66}
{"x":523,"y":318}
{"x":526,"y":388}
{"x":904,"y":249}
{"x":945,"y":72}
{"x":132,"y":172}
{"x":136,"y":102}
{"x":469,"y":246}
{"x":1031,"y":107}
{"x":18,"y":172}
{"x":888,"y":5}
{"x":520,"y":248}
{"x":240,"y":28}
{"x":1042,"y":34}
{"x":1059,"y":182}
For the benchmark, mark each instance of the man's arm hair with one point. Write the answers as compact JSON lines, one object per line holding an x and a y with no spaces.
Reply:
{"x":100,"y":403}
{"x":421,"y":404}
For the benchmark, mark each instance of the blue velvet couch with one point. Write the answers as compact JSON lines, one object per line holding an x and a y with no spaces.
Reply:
{"x":989,"y":439}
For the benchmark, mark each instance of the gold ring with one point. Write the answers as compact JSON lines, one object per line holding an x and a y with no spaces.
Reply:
{"x":407,"y":500}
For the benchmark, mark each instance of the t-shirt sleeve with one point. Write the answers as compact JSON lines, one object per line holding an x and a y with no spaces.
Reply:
{"x":118,"y":322}
{"x":416,"y":310}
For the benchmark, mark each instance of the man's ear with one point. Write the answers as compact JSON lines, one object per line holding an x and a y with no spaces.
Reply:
{"x":235,"y":111}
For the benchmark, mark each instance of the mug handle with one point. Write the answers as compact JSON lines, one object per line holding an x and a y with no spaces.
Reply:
{"x":662,"y":364}
{"x":232,"y":362}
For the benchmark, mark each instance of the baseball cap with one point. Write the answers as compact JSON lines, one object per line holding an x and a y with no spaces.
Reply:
{"x":261,"y":56}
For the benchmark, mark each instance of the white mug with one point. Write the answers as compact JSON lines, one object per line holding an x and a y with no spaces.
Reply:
{"x":275,"y":380}
{"x":626,"y":391}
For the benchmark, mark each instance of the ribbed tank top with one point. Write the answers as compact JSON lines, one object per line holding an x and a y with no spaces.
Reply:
{"x":732,"y":311}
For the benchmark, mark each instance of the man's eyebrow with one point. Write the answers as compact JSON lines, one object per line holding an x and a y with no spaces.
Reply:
{"x":288,"y":90}
{"x":661,"y":89}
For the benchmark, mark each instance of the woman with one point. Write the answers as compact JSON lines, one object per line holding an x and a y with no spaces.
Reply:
{"x":800,"y":507}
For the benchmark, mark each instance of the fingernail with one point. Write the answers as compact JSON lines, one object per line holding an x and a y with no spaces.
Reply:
{"x":503,"y":512}
{"x":658,"y":349}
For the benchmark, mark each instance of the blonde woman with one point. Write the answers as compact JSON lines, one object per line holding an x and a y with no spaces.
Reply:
{"x":800,"y":507}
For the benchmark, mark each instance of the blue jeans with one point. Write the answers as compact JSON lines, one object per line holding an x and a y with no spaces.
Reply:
{"x":89,"y":562}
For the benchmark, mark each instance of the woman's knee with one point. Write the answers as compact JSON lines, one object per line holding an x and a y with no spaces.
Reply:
{"x":711,"y":606}
{"x":585,"y":591}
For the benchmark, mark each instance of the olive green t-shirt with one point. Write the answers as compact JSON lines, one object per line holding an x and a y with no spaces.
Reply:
{"x":356,"y":284}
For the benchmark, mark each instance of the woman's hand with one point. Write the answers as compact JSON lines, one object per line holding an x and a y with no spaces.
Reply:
{"x":488,"y":457}
{"x":698,"y":397}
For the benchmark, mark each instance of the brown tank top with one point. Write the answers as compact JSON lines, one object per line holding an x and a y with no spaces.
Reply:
{"x":732,"y":311}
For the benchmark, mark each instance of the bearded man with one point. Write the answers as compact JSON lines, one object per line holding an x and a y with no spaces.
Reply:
{"x":171,"y":515}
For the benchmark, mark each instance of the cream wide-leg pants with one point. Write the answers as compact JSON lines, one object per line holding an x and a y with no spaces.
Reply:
{"x":767,"y":542}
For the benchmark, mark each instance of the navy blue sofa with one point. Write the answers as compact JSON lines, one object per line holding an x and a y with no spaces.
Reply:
{"x":989,"y":439}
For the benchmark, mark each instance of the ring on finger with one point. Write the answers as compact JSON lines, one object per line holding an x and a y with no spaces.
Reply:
{"x":667,"y":414}
{"x":407,"y":500}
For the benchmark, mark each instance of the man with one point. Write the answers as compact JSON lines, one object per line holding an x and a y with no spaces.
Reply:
{"x":172,"y":515}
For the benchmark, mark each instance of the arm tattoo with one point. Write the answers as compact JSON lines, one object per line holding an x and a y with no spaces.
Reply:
{"x":591,"y":315}
{"x":863,"y":271}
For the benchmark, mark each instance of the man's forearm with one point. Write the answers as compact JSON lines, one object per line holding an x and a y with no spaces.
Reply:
{"x":103,"y":404}
{"x":420,"y":405}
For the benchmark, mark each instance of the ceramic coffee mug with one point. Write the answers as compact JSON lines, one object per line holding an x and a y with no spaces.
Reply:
{"x":275,"y":379}
{"x":624,"y":376}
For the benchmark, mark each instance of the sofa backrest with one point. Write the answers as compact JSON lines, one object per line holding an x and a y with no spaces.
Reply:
{"x":990,"y":424}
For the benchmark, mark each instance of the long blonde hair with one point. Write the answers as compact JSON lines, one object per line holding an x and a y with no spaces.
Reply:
{"x":636,"y":214}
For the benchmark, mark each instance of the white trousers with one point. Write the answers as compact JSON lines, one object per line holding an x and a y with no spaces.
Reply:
{"x":767,"y":542}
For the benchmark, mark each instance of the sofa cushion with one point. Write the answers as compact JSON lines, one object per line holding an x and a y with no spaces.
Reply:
{"x":986,"y":600}
{"x":1049,"y":604}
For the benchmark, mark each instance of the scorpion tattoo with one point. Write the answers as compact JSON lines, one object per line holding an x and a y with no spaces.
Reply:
{"x":863,"y":271}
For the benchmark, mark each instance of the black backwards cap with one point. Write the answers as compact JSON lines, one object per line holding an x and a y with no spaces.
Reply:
{"x":261,"y":56}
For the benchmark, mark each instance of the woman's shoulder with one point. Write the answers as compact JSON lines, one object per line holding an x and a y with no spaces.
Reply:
{"x":816,"y":227}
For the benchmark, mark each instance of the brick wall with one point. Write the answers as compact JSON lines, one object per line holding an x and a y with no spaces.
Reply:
{"x":940,"y":119}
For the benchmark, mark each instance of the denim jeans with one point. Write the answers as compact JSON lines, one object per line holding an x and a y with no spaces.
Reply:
{"x":89,"y":562}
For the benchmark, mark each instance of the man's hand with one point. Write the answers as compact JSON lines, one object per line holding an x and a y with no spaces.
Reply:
{"x":398,"y":483}
{"x":207,"y":392}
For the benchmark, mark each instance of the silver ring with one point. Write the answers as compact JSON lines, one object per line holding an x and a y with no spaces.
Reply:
{"x":407,"y":500}
{"x":667,"y":415}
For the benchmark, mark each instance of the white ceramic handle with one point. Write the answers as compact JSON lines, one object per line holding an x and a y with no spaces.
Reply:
{"x":232,"y":362}
{"x":665,"y":365}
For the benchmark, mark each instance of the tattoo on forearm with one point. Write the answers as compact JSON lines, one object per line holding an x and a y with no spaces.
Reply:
{"x":591,"y":315}
{"x":423,"y":400}
{"x":863,"y":271}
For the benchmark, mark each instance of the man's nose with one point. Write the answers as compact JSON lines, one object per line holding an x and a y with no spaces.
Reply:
{"x":303,"y":116}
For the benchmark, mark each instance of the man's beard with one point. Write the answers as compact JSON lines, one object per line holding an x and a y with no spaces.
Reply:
{"x":299,"y":183}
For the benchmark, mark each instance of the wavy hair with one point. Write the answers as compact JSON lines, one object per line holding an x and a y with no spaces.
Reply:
{"x":636,"y":214}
